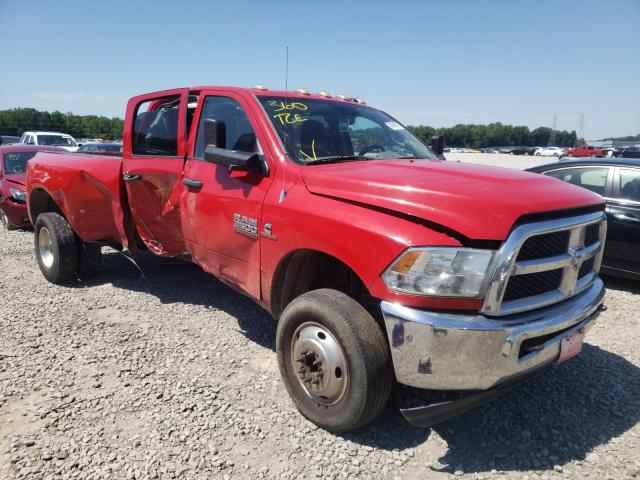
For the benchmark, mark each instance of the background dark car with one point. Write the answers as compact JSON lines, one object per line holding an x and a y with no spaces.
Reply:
{"x":13,"y":180}
{"x":519,"y":150}
{"x":8,"y":139}
{"x":629,"y":152}
{"x":101,"y":148}
{"x":617,"y":180}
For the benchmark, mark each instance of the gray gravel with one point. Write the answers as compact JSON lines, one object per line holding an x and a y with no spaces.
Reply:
{"x":174,"y":376}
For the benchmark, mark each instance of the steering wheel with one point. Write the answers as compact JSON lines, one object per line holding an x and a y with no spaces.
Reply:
{"x":17,"y":169}
{"x":370,"y":148}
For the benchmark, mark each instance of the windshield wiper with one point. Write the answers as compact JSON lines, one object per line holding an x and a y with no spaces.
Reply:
{"x":338,"y":158}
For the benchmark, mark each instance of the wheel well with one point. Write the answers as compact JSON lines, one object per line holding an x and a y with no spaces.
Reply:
{"x":41,"y":202}
{"x":304,"y":270}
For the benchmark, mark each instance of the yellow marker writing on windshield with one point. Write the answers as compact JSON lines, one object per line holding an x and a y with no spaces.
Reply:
{"x":287,"y":118}
{"x":313,"y":150}
{"x":287,"y":106}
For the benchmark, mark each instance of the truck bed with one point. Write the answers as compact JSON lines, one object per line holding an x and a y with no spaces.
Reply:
{"x":88,"y":189}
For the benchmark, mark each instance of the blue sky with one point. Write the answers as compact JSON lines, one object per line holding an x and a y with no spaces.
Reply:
{"x":436,"y":63}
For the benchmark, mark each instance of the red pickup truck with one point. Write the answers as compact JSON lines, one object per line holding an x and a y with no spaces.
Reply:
{"x":587,"y":151}
{"x":379,"y":261}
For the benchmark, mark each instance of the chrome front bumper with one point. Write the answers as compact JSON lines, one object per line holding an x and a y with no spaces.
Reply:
{"x":446,"y":351}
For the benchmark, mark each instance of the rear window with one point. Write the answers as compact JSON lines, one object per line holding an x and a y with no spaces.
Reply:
{"x":17,"y":162}
{"x":56,"y":141}
{"x":591,"y":178}
{"x":155,"y":128}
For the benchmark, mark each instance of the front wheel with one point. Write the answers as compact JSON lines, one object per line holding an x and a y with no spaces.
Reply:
{"x":56,"y":247}
{"x":334,"y":360}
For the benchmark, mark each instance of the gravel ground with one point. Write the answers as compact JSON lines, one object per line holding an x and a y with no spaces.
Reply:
{"x":174,"y":376}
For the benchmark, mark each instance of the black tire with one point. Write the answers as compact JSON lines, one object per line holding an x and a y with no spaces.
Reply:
{"x":62,"y":265}
{"x":89,"y":259}
{"x":369,"y":377}
{"x":4,"y":221}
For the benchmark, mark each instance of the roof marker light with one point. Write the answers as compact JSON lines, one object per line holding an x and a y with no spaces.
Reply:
{"x":302,"y":91}
{"x":260,"y":86}
{"x":342,"y":97}
{"x":324,"y":94}
{"x":359,"y":100}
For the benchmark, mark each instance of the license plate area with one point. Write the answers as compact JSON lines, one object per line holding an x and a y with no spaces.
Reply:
{"x":570,"y":346}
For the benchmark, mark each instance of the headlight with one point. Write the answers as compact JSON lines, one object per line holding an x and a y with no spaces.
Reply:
{"x":18,"y":195}
{"x":440,"y":272}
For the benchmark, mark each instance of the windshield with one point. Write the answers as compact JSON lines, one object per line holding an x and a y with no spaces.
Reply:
{"x":318,"y":130}
{"x":56,"y":140}
{"x":17,"y":162}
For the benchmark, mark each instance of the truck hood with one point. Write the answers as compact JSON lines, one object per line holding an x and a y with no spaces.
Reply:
{"x":479,"y":202}
{"x":19,"y":178}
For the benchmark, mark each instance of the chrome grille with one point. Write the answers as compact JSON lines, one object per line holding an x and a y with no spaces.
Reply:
{"x":542,"y":246}
{"x":546,"y":262}
{"x":531,"y":284}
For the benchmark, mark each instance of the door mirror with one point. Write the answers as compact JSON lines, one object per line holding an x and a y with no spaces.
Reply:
{"x":215,"y":133}
{"x":437,"y":145}
{"x":236,"y":161}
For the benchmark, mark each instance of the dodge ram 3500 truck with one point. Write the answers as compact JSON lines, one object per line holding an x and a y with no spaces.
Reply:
{"x":380,"y":262}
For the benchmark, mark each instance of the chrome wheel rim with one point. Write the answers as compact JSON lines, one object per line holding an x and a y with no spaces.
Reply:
{"x":45,"y":247}
{"x":320,"y":363}
{"x":4,"y":220}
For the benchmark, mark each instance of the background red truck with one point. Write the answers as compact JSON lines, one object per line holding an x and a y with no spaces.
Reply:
{"x":586,"y":151}
{"x":378,"y":261}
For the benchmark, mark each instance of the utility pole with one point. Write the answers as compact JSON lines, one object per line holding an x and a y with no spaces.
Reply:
{"x":581,"y":129}
{"x":552,"y":137}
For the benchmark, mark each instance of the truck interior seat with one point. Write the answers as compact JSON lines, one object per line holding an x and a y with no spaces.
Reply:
{"x":631,"y":190}
{"x":163,"y":127}
{"x":313,"y":138}
{"x":246,"y":143}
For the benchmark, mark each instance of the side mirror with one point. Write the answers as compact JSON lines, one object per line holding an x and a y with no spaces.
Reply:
{"x":215,"y":133}
{"x":234,"y":160}
{"x":437,"y":145}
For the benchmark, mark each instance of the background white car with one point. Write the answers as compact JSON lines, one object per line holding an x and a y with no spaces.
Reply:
{"x":551,"y":152}
{"x":53,"y":139}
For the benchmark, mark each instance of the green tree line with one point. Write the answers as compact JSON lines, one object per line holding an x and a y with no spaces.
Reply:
{"x":18,"y":120}
{"x":495,"y":135}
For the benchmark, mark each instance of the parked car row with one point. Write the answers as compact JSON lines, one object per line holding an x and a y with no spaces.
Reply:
{"x":56,"y":139}
{"x":559,"y":152}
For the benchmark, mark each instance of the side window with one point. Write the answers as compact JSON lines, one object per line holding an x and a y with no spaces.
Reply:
{"x":155,"y":128}
{"x":630,"y":184}
{"x":239,"y":132}
{"x":591,"y":178}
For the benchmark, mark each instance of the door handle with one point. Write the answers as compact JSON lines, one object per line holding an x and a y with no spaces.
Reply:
{"x":624,"y":216}
{"x":192,"y":183}
{"x":132,"y":178}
